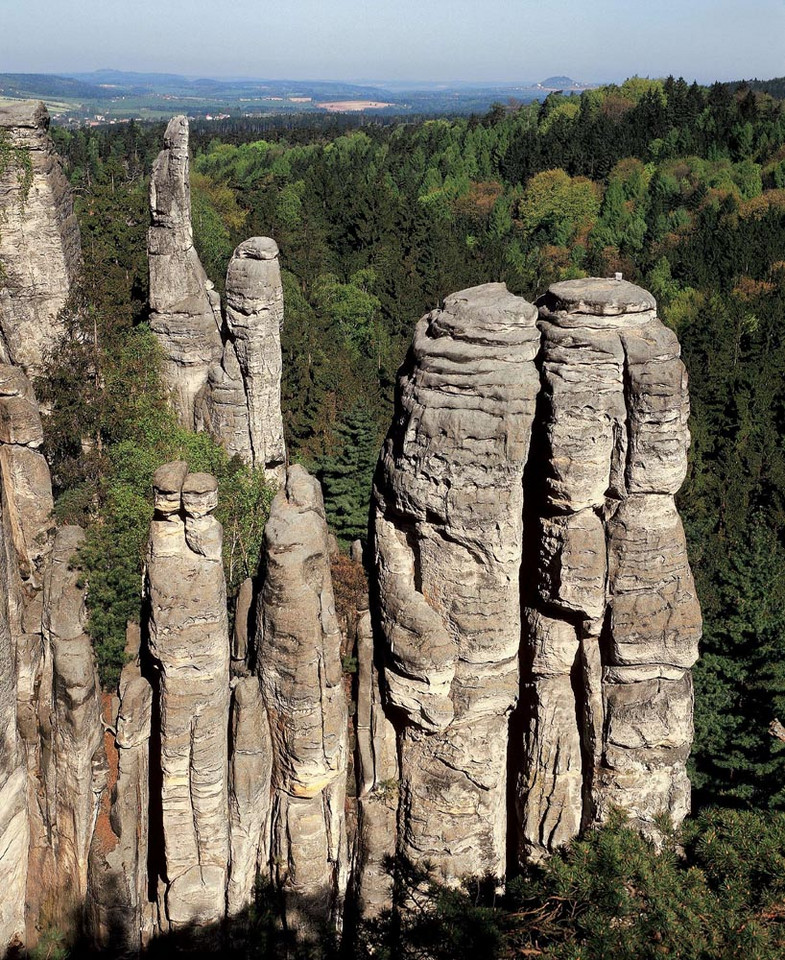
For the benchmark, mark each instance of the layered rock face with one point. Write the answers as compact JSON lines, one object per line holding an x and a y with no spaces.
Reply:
{"x":185,"y":309}
{"x":254,"y":316}
{"x":189,"y":642}
{"x":613,"y":618}
{"x":298,"y":644}
{"x":378,"y":775}
{"x":39,"y":237}
{"x":26,"y":479}
{"x":57,"y":730}
{"x":448,"y":526}
{"x":570,"y":555}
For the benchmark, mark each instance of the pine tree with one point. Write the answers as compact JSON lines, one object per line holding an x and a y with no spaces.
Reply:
{"x":347,"y":475}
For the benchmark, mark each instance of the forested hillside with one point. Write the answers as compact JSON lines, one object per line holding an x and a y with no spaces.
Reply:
{"x":679,"y":187}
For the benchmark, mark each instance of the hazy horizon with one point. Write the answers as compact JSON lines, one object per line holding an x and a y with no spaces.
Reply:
{"x":359,"y":41}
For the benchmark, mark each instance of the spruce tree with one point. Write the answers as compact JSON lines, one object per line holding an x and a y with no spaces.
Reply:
{"x":346,"y":476}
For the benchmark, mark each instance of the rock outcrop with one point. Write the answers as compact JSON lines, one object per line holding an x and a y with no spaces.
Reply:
{"x":613,"y":618}
{"x":378,"y":777}
{"x":448,"y":526}
{"x":254,"y":316}
{"x":250,"y":775}
{"x":189,"y":642}
{"x":39,"y":237}
{"x":26,"y":479}
{"x":567,"y":552}
{"x":185,"y":308}
{"x":298,"y":647}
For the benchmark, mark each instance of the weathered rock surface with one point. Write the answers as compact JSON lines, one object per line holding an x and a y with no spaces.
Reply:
{"x":185,"y":309}
{"x":298,"y":644}
{"x":39,"y":238}
{"x":189,"y":641}
{"x":14,"y":820}
{"x":77,"y":774}
{"x":377,"y":777}
{"x":254,"y":316}
{"x":26,"y":479}
{"x":250,"y":775}
{"x":223,"y":412}
{"x":448,"y":540}
{"x":613,"y":618}
{"x":121,"y":916}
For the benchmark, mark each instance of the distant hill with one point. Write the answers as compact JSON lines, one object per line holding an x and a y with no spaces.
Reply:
{"x":561,"y":83}
{"x":43,"y":85}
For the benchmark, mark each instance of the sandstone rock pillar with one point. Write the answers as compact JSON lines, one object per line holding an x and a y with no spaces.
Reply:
{"x":448,"y":527}
{"x":189,"y":641}
{"x":76,"y":775}
{"x":298,"y":648}
{"x":185,"y":309}
{"x":612,"y":618}
{"x":254,"y":316}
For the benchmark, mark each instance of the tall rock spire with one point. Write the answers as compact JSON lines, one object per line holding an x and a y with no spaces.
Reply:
{"x":567,"y":553}
{"x":189,"y":642}
{"x":254,"y":316}
{"x":448,"y":525}
{"x":612,"y":614}
{"x":185,"y":309}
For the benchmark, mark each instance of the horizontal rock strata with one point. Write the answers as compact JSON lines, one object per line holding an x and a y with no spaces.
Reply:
{"x":448,"y":505}
{"x":613,"y":622}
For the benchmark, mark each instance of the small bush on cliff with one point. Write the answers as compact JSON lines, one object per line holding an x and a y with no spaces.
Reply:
{"x":715,"y":892}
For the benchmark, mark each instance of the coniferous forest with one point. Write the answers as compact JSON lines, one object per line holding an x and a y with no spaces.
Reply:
{"x":679,"y":187}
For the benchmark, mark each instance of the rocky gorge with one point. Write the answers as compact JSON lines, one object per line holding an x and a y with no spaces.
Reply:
{"x":523,"y":648}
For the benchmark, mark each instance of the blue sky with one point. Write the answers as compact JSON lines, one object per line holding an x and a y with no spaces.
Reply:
{"x":406,"y":40}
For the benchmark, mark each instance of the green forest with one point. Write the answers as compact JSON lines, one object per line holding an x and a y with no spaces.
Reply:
{"x":682,"y":189}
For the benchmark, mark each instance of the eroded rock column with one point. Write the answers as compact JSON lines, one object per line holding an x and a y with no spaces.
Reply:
{"x":189,"y":640}
{"x":254,"y":317}
{"x":448,"y":504}
{"x":298,"y":649}
{"x":612,"y":617}
{"x":185,"y":308}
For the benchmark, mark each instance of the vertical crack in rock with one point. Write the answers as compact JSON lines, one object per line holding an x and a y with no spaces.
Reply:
{"x":189,"y":642}
{"x":185,"y":312}
{"x":448,"y":504}
{"x":298,"y":649}
{"x":39,"y":239}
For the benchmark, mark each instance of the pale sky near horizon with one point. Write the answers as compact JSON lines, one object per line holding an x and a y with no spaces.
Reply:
{"x":429,"y":40}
